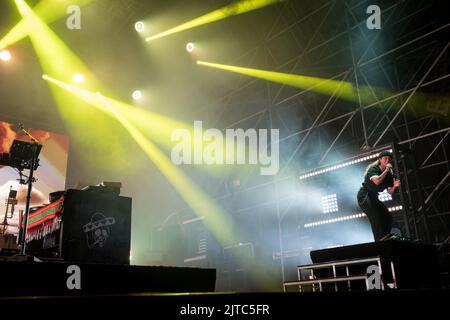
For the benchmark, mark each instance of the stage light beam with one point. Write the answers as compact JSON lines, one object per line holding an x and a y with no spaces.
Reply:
{"x":47,"y":10}
{"x":156,"y":127}
{"x":54,"y":56}
{"x":200,"y":202}
{"x":330,"y":87}
{"x":234,"y":9}
{"x":57,"y":60}
{"x":320,"y":85}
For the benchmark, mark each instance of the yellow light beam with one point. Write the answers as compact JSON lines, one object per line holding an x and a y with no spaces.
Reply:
{"x":234,"y":9}
{"x":42,"y":38}
{"x":215,"y":218}
{"x":200,"y":203}
{"x":79,"y":118}
{"x":59,"y":61}
{"x":48,"y":10}
{"x":157,"y":127}
{"x":341,"y":89}
{"x":83,"y":94}
{"x":54,"y":55}
{"x":324,"y":86}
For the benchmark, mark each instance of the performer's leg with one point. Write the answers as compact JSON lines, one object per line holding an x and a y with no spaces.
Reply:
{"x":379,"y":216}
{"x":385,"y":219}
{"x":368,"y":206}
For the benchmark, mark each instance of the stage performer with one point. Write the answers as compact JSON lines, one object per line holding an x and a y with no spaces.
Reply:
{"x":378,"y":177}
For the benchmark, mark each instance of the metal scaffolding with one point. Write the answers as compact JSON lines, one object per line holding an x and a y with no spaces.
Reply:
{"x":387,"y":119}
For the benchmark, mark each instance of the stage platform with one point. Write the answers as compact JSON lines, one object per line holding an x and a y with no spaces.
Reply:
{"x":30,"y":278}
{"x":415,"y":264}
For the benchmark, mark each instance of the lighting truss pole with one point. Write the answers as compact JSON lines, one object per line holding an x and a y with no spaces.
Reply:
{"x":395,"y":152}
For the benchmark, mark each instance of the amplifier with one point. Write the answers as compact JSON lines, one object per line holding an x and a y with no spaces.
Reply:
{"x":94,"y":227}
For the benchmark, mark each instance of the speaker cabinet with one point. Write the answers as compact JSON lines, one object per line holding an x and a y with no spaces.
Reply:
{"x":95,"y":227}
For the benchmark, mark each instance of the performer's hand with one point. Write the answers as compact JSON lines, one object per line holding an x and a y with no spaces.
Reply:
{"x":389,"y":166}
{"x":396,"y":183}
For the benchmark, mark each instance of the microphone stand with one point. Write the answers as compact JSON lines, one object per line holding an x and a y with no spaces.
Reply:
{"x":34,"y":147}
{"x":27,"y":206}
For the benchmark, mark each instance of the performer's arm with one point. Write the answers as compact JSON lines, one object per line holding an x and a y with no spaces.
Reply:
{"x":379,"y":179}
{"x":391,"y":190}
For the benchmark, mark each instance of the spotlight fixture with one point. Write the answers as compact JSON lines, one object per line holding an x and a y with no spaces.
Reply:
{"x":136,"y":95}
{"x":190,"y":47}
{"x":139,"y":26}
{"x":78,"y":78}
{"x":5,"y":55}
{"x":329,"y":203}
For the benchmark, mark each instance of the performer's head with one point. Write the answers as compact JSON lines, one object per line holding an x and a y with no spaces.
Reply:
{"x":384,"y":158}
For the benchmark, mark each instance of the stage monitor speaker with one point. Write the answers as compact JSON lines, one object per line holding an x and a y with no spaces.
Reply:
{"x":96,"y":227}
